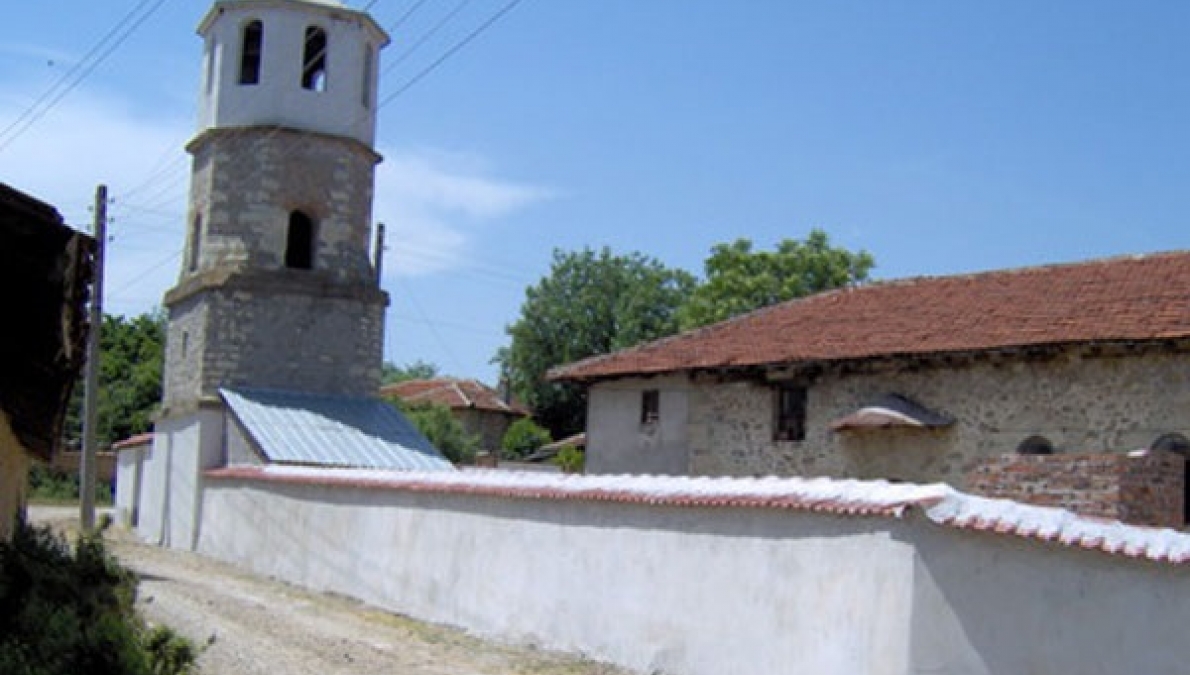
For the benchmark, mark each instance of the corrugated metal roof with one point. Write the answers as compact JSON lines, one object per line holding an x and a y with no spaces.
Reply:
{"x":332,"y":430}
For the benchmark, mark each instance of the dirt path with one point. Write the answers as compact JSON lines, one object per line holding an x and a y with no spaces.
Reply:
{"x":247,"y":625}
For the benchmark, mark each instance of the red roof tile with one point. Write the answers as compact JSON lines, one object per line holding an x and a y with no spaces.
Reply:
{"x":1134,"y":298}
{"x":452,"y":393}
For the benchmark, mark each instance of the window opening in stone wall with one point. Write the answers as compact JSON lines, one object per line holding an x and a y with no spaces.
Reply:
{"x":650,"y":406}
{"x":790,"y":422}
{"x":1179,"y":445}
{"x":195,"y":242}
{"x":366,"y":90}
{"x":314,"y":60}
{"x":250,"y":53}
{"x":299,"y":242}
{"x":1035,"y":445}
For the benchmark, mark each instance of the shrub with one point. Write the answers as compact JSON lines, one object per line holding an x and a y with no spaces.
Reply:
{"x":440,"y":427}
{"x":47,"y":484}
{"x":65,"y":611}
{"x":571,"y":459}
{"x":523,"y":438}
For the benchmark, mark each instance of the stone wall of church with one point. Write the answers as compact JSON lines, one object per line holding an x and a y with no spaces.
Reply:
{"x":248,"y":181}
{"x":264,"y":338}
{"x":1079,"y":403}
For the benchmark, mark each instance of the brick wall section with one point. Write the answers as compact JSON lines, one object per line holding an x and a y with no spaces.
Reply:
{"x":1147,"y":490}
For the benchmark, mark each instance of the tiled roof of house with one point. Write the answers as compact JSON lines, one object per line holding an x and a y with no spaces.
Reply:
{"x":453,"y":393}
{"x":1127,"y":299}
{"x":939,"y":503}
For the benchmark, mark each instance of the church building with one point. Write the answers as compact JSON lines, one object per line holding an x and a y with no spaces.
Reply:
{"x":275,"y":333}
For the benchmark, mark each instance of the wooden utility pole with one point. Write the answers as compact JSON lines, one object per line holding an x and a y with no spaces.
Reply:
{"x":91,"y":379}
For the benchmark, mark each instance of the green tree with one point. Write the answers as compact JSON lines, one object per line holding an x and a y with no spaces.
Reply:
{"x":739,"y":280}
{"x":390,"y":373}
{"x":443,"y":430}
{"x":591,"y":302}
{"x":523,"y":438}
{"x":131,"y":352}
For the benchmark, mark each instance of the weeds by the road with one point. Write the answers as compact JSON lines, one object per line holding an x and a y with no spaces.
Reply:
{"x":67,"y":610}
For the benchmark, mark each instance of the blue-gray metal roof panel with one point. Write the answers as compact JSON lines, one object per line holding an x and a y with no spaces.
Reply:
{"x":331,"y":430}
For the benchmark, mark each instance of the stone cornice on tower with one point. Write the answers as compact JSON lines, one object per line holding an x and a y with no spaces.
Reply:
{"x":289,"y":134}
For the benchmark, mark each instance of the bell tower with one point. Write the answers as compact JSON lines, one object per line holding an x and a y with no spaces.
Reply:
{"x":277,"y":288}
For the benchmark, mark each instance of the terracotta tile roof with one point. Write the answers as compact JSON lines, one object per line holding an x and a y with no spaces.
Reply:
{"x":939,"y":503}
{"x":453,"y":393}
{"x":1134,"y":298}
{"x":133,"y":441}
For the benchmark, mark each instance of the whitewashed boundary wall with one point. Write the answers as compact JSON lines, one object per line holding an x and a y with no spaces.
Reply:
{"x":680,"y":587}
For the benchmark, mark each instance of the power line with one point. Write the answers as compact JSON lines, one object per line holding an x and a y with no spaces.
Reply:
{"x":451,"y":52}
{"x":79,"y":72}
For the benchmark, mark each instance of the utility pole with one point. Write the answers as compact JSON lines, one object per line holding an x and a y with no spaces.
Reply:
{"x":91,"y":379}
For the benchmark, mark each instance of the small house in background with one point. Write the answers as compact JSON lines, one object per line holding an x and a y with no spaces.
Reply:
{"x":45,"y":272}
{"x":480,"y":410}
{"x":917,"y":380}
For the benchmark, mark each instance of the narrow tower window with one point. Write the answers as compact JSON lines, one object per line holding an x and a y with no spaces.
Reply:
{"x":314,"y":60}
{"x":195,"y":242}
{"x":366,"y":95}
{"x":250,"y":53}
{"x":209,"y":57}
{"x":299,"y":244}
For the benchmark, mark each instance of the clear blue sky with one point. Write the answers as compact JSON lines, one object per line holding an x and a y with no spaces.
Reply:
{"x":942,"y":137}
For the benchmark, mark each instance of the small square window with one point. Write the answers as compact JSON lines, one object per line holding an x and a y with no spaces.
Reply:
{"x":650,"y":406}
{"x":790,"y":419}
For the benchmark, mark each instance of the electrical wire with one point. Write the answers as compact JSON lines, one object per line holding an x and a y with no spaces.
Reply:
{"x":79,"y":72}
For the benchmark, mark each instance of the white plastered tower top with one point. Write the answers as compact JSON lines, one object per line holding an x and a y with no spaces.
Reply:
{"x":309,"y":65}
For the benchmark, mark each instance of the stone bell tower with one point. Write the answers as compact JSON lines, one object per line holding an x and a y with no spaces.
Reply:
{"x":274,"y":339}
{"x":277,"y":288}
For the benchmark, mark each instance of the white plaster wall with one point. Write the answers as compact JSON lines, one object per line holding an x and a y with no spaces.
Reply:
{"x":987,"y":604}
{"x":617,"y":442}
{"x":278,"y":98}
{"x":129,"y":471}
{"x":705,"y":591}
{"x":171,"y":499}
{"x":691,"y":591}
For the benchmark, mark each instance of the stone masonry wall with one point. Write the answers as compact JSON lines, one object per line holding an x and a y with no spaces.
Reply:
{"x":247,"y":181}
{"x":1079,"y":403}
{"x":1144,"y":490}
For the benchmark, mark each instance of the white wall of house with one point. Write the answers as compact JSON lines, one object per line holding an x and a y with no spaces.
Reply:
{"x":706,"y":591}
{"x":617,"y":440}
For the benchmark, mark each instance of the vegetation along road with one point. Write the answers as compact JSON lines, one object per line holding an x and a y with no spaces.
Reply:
{"x":247,"y":625}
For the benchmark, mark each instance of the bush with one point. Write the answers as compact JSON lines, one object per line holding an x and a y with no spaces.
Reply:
{"x":523,"y":438}
{"x":446,"y":433}
{"x":571,"y":459}
{"x":65,"y":611}
{"x":47,"y":484}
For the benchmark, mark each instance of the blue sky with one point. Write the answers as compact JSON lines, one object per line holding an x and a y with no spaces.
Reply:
{"x":942,"y":137}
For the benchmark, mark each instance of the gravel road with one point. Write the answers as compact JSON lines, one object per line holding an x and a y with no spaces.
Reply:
{"x":248,"y":625}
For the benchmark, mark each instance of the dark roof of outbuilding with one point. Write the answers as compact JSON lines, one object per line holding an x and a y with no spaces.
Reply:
{"x":1130,"y":299}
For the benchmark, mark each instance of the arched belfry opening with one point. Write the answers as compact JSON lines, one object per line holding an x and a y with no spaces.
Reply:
{"x":314,"y":60}
{"x":299,"y":242}
{"x":250,"y":52}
